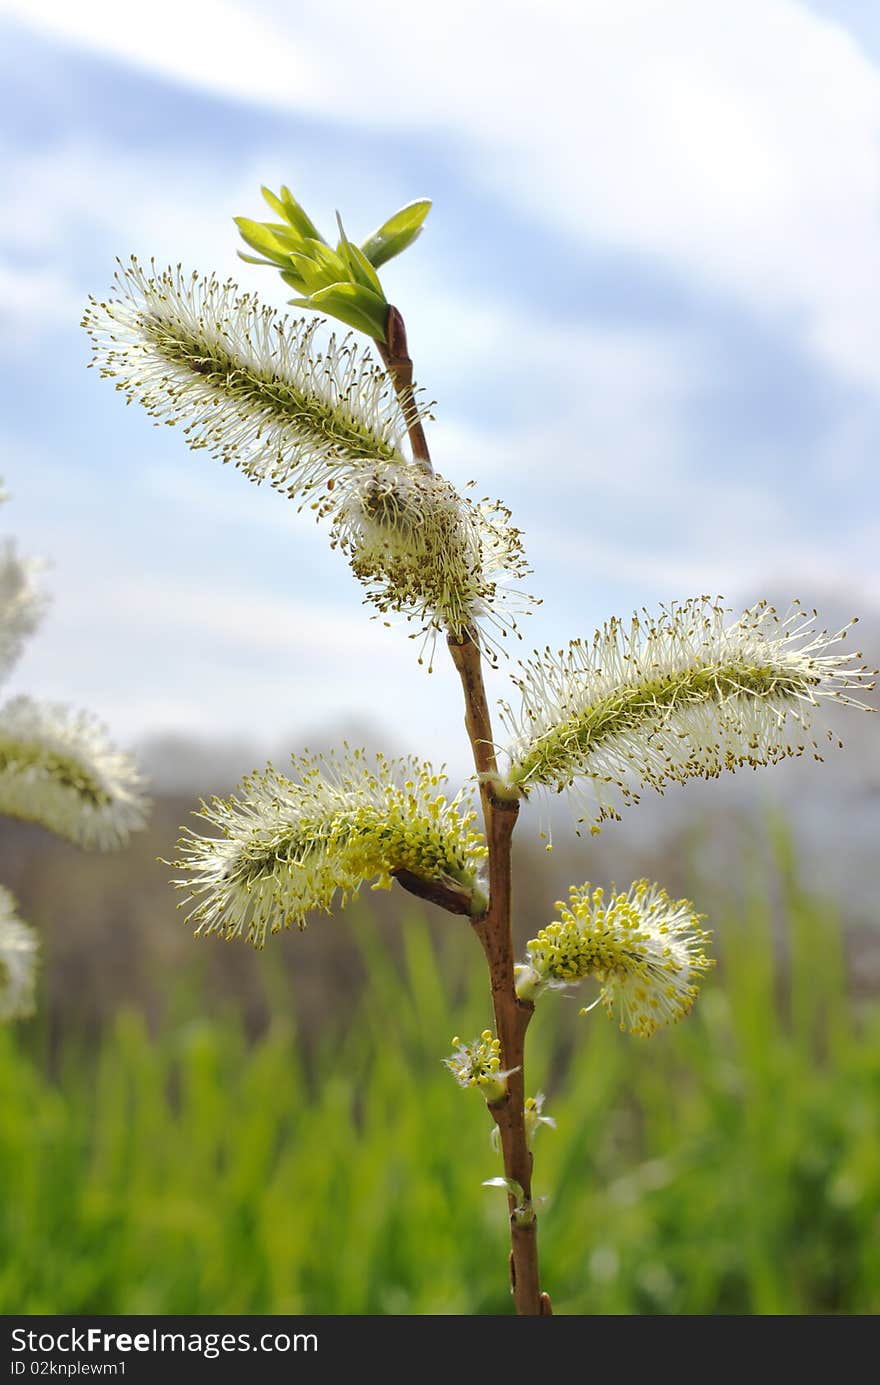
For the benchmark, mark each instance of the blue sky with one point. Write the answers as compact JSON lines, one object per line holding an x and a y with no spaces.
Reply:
{"x":646,"y":302}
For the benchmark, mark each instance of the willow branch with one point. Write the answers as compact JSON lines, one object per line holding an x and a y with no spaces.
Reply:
{"x":448,"y":893}
{"x":493,"y":927}
{"x":512,"y":1015}
{"x":395,"y":354}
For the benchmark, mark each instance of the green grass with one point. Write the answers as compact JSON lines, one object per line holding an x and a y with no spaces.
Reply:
{"x":732,"y":1165}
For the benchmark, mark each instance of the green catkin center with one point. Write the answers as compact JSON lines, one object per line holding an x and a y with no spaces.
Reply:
{"x":264,"y":387}
{"x":628,"y":708}
{"x":18,"y":757}
{"x":366,"y":841}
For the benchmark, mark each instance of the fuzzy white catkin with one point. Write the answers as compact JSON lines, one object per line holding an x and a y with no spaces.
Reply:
{"x":22,"y":603}
{"x":646,"y":950}
{"x":322,"y":425}
{"x":18,"y":962}
{"x":665,"y":698}
{"x":288,"y":847}
{"x":433,"y":555}
{"x":59,"y":769}
{"x":256,"y":390}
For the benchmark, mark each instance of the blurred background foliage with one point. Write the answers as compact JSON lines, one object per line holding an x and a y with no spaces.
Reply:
{"x":189,"y":1127}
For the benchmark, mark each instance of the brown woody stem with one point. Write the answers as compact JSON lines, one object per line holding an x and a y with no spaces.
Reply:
{"x":449,"y":894}
{"x":512,"y":1015}
{"x":395,"y":354}
{"x":493,"y":927}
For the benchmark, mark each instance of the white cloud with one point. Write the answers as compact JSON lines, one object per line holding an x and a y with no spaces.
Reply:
{"x":734,"y":142}
{"x":196,"y":492}
{"x":173,"y":654}
{"x":689,"y":135}
{"x":156,"y":203}
{"x":595,"y":404}
{"x":32,"y":302}
{"x":238,"y":620}
{"x":209,"y":43}
{"x":733,"y":561}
